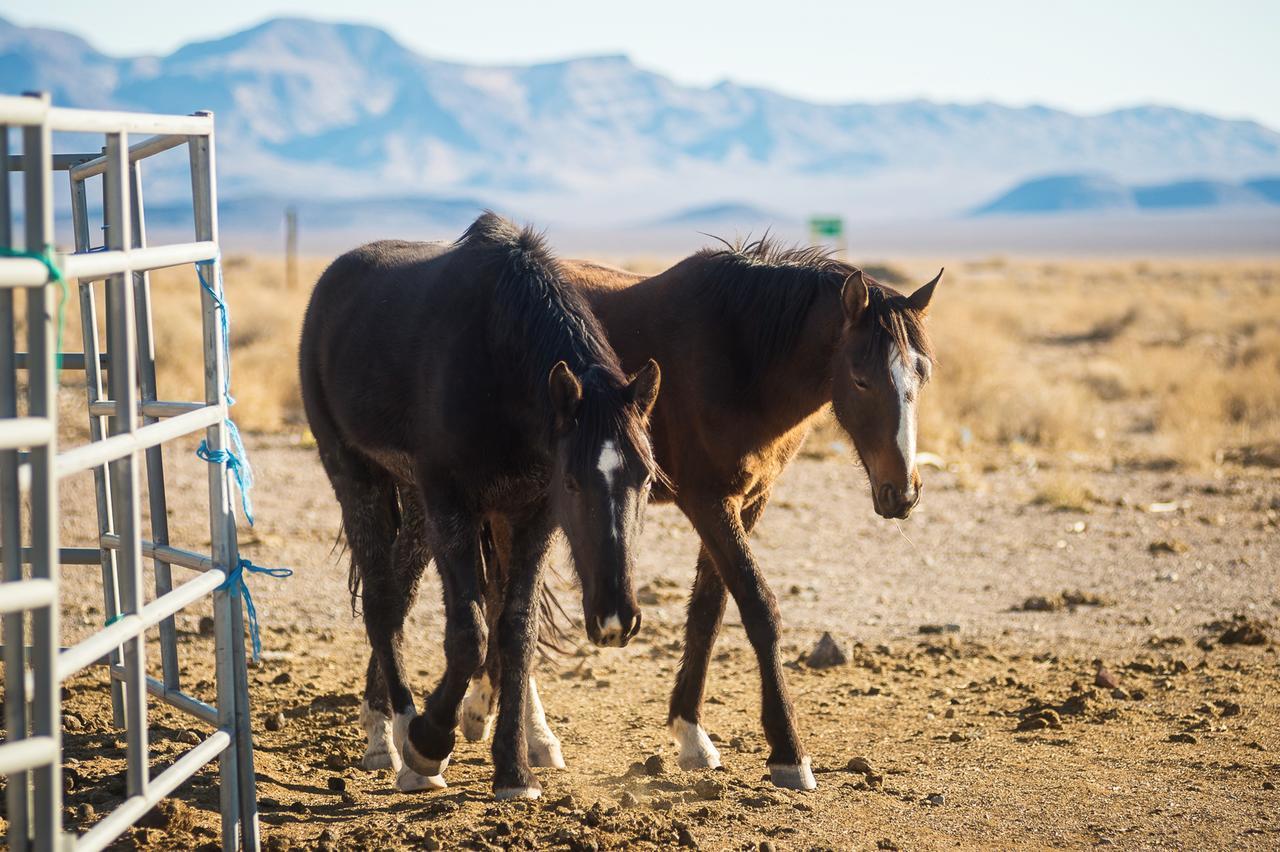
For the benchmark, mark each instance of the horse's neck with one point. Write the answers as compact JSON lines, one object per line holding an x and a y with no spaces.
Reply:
{"x":799,"y":385}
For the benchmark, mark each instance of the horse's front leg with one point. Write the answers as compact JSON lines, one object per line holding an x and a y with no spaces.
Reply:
{"x":426,"y":742}
{"x":517,"y":635}
{"x":720,"y":524}
{"x":706,"y":612}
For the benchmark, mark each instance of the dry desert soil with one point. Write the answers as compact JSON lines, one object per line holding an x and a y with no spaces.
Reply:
{"x":969,"y":713}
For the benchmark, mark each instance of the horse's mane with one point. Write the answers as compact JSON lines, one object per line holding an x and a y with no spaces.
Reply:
{"x":539,"y":319}
{"x":769,"y":289}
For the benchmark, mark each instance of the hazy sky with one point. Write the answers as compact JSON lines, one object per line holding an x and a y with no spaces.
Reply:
{"x":1084,"y":55}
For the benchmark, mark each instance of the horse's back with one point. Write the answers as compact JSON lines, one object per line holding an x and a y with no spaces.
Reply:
{"x":379,"y":315}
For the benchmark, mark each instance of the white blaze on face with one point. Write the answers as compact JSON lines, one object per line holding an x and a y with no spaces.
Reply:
{"x":610,"y":465}
{"x":907,"y":383}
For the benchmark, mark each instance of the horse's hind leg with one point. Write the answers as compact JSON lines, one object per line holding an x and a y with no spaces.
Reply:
{"x":544,"y":746}
{"x":370,"y":520}
{"x":409,"y":557}
{"x":375,"y":718}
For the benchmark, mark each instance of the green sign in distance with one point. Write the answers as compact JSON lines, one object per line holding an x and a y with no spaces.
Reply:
{"x":826,"y":226}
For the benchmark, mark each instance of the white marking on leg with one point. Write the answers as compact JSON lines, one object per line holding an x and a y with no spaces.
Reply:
{"x":378,"y":753}
{"x":544,"y":746}
{"x":477,"y":709}
{"x":793,"y":777}
{"x":695,"y":749}
{"x":902,"y":367}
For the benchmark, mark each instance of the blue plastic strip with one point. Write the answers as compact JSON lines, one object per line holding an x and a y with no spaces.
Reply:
{"x":236,"y":580}
{"x":235,"y":458}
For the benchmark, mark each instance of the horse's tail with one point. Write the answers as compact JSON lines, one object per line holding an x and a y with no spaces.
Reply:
{"x":553,"y":621}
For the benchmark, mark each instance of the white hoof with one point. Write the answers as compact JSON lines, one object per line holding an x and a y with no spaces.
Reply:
{"x":400,"y":736}
{"x":792,"y":777}
{"x":507,"y":793}
{"x":695,"y":749}
{"x":408,"y":781}
{"x":546,"y":755}
{"x":423,"y":765}
{"x":477,"y":718}
{"x":374,"y":760}
{"x":380,"y":752}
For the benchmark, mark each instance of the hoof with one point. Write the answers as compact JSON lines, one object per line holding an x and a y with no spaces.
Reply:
{"x":380,"y":752}
{"x":695,"y":750}
{"x":424,"y":765}
{"x":477,"y":715}
{"x":476,"y":727}
{"x":408,"y":781}
{"x":408,"y":728}
{"x":504,"y":794}
{"x":546,"y":755}
{"x":793,"y":776}
{"x":375,"y":760}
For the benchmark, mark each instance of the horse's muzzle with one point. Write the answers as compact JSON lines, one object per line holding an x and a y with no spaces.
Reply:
{"x":893,"y":503}
{"x":614,"y":630}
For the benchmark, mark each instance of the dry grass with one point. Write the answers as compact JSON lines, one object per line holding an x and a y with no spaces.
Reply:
{"x":1119,"y":363}
{"x":1065,"y":492}
{"x":1086,"y":363}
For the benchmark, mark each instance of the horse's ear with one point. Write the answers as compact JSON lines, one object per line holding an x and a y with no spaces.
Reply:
{"x":644,"y":387}
{"x":566,"y":395}
{"x":919,"y":300}
{"x":854,"y":295}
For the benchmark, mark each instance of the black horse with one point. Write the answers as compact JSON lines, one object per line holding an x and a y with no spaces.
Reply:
{"x":461,"y":393}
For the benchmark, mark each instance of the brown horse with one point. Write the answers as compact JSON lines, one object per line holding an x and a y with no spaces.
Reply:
{"x":763,"y":339}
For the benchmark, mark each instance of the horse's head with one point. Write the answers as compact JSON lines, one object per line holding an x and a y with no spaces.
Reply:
{"x":882,"y":362}
{"x":604,"y":469}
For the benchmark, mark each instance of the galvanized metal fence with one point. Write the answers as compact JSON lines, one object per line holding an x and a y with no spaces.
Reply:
{"x":128,"y":425}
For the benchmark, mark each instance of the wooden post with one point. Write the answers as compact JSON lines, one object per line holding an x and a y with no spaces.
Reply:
{"x":291,"y":247}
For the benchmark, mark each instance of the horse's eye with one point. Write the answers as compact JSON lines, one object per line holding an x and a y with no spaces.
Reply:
{"x":571,"y":485}
{"x":859,"y":384}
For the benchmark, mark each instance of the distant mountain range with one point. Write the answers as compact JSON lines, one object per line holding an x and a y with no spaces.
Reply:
{"x":1094,"y":193}
{"x":317,"y":112}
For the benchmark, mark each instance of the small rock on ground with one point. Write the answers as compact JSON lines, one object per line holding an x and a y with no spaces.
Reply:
{"x":826,"y":653}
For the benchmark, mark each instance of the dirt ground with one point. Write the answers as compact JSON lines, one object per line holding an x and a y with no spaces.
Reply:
{"x":974,"y":710}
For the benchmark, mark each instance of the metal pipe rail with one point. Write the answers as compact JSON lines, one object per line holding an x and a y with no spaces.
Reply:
{"x":18,"y":595}
{"x":19,"y":432}
{"x":70,"y":360}
{"x":32,"y":110}
{"x":22,"y":755}
{"x":132,"y":626}
{"x":128,"y":425}
{"x":121,"y":446}
{"x":102,"y":834}
{"x":140,"y":151}
{"x":173,"y":697}
{"x":157,"y":409}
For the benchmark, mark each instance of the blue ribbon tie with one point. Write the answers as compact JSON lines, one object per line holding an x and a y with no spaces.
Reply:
{"x":236,"y":579}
